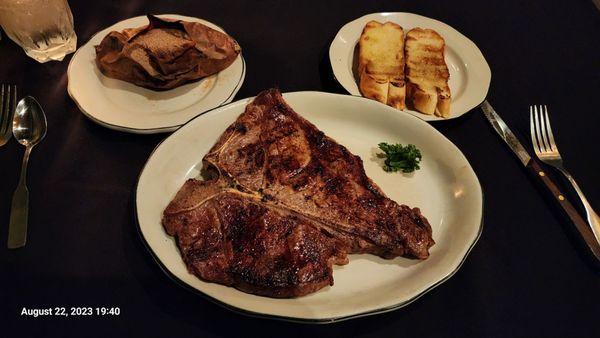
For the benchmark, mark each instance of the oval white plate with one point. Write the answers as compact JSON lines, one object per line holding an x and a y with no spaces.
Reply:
{"x":470,"y":74}
{"x":126,"y":107}
{"x":446,"y":189}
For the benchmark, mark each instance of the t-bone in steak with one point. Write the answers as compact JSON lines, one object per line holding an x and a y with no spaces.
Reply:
{"x":281,"y":204}
{"x":230,"y":237}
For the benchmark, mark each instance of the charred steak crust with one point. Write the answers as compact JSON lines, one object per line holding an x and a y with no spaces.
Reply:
{"x":273,"y":151}
{"x":229,"y":237}
{"x":283,"y":203}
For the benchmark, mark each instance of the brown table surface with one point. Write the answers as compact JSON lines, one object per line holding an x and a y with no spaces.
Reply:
{"x":527,"y":276}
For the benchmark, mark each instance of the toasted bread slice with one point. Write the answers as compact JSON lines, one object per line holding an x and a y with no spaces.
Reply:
{"x":381,"y":63}
{"x":426,"y":72}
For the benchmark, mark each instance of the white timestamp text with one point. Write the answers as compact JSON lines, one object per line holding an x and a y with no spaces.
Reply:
{"x":79,"y":311}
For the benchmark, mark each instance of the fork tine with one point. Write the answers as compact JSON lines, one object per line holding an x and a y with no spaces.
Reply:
{"x":14,"y":106}
{"x":8,"y":107}
{"x":543,"y":130}
{"x":7,"y":113}
{"x":3,"y":117}
{"x":544,"y":119}
{"x":536,"y":146}
{"x":549,"y":129}
{"x":541,"y":144}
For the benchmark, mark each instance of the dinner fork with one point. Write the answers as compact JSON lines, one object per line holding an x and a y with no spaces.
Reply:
{"x":8,"y":101}
{"x":547,"y":151}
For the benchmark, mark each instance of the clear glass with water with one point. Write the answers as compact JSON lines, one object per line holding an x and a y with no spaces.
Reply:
{"x":44,"y":28}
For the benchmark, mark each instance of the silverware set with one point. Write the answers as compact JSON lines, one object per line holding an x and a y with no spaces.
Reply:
{"x":25,"y":121}
{"x":546,"y":150}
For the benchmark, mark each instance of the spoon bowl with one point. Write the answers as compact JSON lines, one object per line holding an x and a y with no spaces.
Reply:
{"x":29,"y":122}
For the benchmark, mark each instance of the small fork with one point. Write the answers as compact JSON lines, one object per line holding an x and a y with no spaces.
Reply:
{"x":7,"y":109}
{"x":547,"y":151}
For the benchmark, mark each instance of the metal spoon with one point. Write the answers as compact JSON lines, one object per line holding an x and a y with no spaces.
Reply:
{"x":29,"y":128}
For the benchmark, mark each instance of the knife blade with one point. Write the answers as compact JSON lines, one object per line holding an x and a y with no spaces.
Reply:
{"x":505,"y":132}
{"x":540,"y":175}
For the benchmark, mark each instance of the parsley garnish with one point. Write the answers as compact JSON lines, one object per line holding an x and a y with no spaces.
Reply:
{"x":399,"y":157}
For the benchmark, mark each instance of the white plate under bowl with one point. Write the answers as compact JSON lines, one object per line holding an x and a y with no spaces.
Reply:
{"x":446,"y":189}
{"x":126,"y":107}
{"x":470,"y":74}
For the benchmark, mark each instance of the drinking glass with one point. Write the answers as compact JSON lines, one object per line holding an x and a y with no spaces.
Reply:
{"x":43,"y":28}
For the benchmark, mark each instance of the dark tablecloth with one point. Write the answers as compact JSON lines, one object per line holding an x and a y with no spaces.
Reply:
{"x":527,"y":276}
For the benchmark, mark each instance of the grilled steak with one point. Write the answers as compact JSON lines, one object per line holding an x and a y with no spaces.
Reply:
{"x":232,"y":238}
{"x":281,"y":204}
{"x":272,"y":151}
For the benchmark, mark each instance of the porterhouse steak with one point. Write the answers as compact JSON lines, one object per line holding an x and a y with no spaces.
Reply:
{"x":281,"y":204}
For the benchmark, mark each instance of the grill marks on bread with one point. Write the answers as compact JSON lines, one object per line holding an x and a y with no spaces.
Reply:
{"x":401,"y":71}
{"x":426,"y":72}
{"x":381,"y":63}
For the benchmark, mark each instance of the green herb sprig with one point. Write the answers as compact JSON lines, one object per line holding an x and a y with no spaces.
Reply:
{"x":399,"y":157}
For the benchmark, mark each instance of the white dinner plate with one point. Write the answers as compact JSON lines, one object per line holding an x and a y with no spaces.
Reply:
{"x":126,"y":107}
{"x":470,"y":74}
{"x":445,"y":188}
